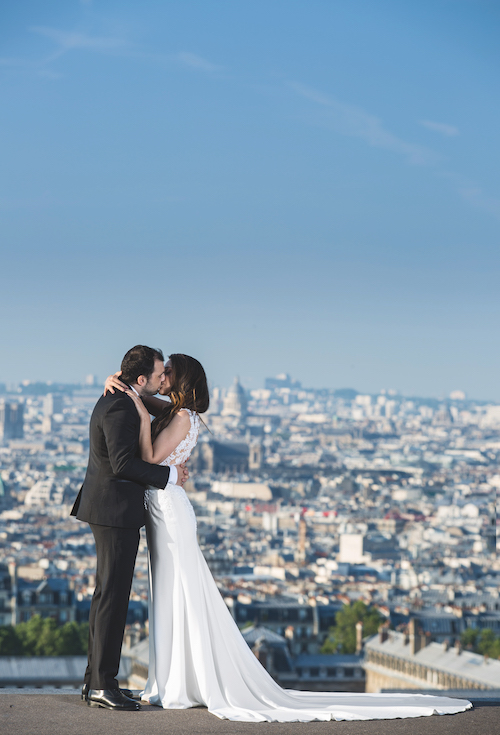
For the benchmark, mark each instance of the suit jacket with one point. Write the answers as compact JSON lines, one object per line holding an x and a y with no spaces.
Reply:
{"x":113,"y":490}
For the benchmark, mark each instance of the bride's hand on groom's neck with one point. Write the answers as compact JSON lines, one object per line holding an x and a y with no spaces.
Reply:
{"x":113,"y":382}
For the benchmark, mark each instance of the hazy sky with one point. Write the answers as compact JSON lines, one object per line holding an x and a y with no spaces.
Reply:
{"x":307,"y":186}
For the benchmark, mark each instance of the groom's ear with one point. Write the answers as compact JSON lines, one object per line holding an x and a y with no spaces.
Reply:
{"x":142,"y":380}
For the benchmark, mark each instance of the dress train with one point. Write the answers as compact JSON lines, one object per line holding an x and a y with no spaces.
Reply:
{"x":199,"y":657}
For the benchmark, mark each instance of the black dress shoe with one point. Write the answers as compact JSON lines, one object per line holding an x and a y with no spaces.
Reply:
{"x":110,"y":699}
{"x":85,"y":691}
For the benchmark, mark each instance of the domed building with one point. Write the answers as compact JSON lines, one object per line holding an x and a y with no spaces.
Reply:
{"x":235,"y":402}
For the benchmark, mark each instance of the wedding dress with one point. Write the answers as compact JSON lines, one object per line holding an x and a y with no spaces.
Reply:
{"x":197,"y":655}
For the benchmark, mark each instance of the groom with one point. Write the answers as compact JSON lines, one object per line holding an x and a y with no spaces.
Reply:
{"x":111,"y":501}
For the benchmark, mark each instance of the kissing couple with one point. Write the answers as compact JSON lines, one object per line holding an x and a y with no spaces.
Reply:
{"x":197,"y":655}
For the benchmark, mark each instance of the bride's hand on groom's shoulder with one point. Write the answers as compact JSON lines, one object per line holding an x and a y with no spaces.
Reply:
{"x":112,"y":382}
{"x":141,"y":408}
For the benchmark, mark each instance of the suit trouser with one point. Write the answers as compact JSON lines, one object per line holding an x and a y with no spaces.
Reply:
{"x":116,"y":551}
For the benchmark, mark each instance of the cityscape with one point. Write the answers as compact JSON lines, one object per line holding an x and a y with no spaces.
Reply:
{"x":303,"y":196}
{"x":311,"y":505}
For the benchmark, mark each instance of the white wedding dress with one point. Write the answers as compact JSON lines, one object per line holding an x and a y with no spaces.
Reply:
{"x":197,"y":655}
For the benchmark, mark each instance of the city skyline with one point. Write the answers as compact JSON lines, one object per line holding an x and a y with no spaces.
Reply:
{"x":269,"y":187}
{"x":93,"y":381}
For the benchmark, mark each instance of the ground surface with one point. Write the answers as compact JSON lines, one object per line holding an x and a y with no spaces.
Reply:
{"x":24,"y":713}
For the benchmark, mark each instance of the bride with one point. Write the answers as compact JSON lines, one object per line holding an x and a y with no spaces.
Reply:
{"x":197,"y":655}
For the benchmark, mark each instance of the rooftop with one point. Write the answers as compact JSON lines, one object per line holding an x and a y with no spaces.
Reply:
{"x":58,"y":712}
{"x":466,"y":664}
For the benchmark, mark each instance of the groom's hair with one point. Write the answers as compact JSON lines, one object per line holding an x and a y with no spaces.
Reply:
{"x":140,"y":360}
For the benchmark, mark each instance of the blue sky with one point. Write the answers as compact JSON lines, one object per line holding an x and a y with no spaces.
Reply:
{"x":269,"y":186}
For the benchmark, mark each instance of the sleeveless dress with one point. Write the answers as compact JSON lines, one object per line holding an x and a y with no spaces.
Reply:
{"x":197,"y":655}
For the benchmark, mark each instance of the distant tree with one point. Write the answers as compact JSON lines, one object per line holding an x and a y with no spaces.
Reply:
{"x":47,"y":642}
{"x":43,"y":637}
{"x":29,"y":634}
{"x":469,"y":638}
{"x":84,"y":636}
{"x":71,"y":639}
{"x":342,"y":636}
{"x":10,"y":643}
{"x":488,"y":643}
{"x":481,"y":641}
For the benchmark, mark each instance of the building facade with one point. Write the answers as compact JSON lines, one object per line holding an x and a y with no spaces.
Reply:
{"x":11,"y":420}
{"x":396,"y":660}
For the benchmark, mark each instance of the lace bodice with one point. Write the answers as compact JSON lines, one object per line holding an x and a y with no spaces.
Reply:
{"x":183,"y":450}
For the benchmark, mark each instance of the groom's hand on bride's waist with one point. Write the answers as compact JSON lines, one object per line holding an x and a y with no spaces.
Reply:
{"x":182,"y":474}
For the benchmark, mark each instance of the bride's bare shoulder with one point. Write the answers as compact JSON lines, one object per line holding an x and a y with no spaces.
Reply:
{"x":181,"y":417}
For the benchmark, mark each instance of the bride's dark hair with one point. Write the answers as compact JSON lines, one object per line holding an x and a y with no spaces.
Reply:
{"x":188,"y":389}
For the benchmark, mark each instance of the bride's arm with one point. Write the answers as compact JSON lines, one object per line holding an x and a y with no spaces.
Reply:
{"x":166,"y":441}
{"x":170,"y":438}
{"x":154,"y":405}
{"x":113,"y":381}
{"x":145,"y":444}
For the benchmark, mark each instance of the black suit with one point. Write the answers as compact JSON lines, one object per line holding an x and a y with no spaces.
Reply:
{"x":111,"y":500}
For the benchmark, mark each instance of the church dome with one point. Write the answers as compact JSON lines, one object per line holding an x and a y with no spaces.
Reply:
{"x":235,"y":402}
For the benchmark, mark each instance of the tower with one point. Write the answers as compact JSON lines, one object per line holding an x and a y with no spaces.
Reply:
{"x":255,"y":456}
{"x":11,"y":420}
{"x":301,"y":546}
{"x":52,"y":403}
